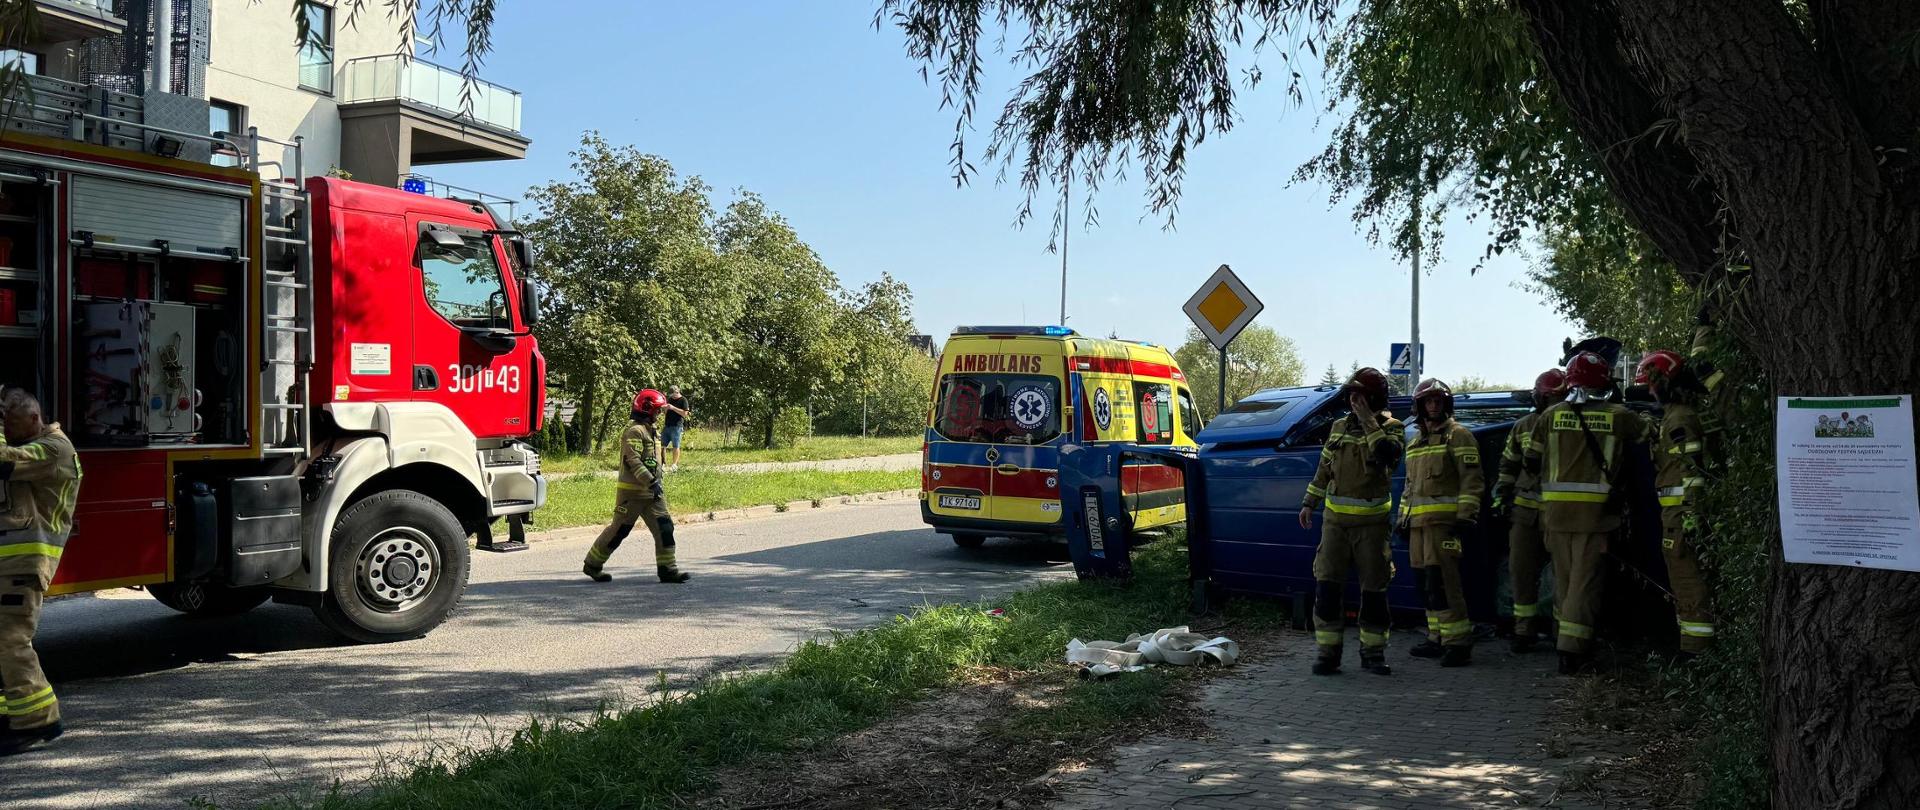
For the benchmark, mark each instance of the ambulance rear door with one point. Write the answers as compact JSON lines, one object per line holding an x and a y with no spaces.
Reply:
{"x":998,"y":419}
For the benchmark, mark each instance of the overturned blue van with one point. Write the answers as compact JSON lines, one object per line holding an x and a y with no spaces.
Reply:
{"x":1258,"y":457}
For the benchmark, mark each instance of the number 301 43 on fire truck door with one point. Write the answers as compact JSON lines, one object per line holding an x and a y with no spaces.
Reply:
{"x":468,"y":331}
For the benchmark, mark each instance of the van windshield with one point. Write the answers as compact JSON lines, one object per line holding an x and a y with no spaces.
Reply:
{"x":1001,"y":408}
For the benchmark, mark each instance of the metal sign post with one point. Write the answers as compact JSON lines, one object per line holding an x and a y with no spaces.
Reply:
{"x":1221,"y":308}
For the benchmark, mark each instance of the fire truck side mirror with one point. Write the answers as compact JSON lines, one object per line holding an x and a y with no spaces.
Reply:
{"x":529,"y":301}
{"x":522,"y":252}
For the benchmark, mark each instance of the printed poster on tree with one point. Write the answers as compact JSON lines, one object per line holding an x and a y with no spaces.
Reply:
{"x":1846,"y":481}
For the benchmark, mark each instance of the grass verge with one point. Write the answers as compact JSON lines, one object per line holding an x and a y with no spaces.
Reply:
{"x":588,"y":500}
{"x":651,"y":756}
{"x":709,"y":448}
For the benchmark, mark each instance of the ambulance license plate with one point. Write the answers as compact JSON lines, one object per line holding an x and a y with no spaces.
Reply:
{"x":959,"y":502}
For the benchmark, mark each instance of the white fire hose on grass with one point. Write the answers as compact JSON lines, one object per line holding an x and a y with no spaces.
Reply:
{"x":1172,"y":645}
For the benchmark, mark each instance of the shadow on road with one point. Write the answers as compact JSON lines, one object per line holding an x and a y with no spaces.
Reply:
{"x":247,"y":708}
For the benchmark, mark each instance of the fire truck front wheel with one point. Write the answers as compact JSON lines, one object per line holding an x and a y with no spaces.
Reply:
{"x":398,"y":567}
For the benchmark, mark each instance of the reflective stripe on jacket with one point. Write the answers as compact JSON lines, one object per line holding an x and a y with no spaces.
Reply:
{"x":1444,"y":479}
{"x":1581,"y":453}
{"x":639,"y":457}
{"x":1514,"y":475}
{"x":1355,"y":477}
{"x":43,"y":484}
{"x":1679,"y":453}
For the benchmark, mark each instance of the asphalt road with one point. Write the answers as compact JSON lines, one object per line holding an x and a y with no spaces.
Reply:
{"x":161,"y":709}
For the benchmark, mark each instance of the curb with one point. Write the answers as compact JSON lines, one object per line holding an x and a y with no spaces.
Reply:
{"x":741,"y":513}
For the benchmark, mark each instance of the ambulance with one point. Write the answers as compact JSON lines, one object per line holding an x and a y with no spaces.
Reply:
{"x":1006,"y":400}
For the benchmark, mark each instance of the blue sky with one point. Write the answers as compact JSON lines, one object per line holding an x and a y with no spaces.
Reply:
{"x":811,"y":107}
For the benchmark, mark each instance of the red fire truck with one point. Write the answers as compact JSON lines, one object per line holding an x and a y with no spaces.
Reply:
{"x":302,"y":389}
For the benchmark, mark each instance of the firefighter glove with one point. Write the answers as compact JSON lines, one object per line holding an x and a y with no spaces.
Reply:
{"x":655,"y":490}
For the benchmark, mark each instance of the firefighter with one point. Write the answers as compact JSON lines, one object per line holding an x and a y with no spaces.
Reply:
{"x":1517,"y":494}
{"x":1679,"y":463}
{"x":639,"y":496}
{"x":1442,"y":504}
{"x":1355,"y":484}
{"x":1580,"y":450}
{"x":42,"y":477}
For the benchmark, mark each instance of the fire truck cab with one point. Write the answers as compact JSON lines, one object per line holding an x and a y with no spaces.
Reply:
{"x":304,"y":389}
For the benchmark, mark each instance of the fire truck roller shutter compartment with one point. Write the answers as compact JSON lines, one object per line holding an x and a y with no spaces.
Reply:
{"x":118,"y":212}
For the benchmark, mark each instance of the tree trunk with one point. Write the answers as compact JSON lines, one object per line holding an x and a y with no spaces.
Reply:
{"x":1833,"y":242}
{"x":773,"y":416}
{"x":584,"y":412}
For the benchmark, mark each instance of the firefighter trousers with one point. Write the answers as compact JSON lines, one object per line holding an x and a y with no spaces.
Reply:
{"x":1436,"y":564}
{"x":1365,"y":550}
{"x":26,"y":699}
{"x":1577,"y":584}
{"x":629,"y":506}
{"x":1526,"y":558}
{"x":1692,"y":606}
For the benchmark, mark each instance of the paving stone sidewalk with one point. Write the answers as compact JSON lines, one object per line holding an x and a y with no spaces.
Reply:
{"x":1425,"y":737}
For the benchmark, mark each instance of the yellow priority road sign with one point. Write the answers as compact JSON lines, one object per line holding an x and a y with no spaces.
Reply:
{"x":1222,"y":307}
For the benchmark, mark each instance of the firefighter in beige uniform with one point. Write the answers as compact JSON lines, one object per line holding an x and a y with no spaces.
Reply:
{"x":1581,"y":449}
{"x":638,"y":495}
{"x":1355,"y":483}
{"x":1679,"y":463}
{"x":1517,"y":493}
{"x":1442,"y":505}
{"x":42,"y":477}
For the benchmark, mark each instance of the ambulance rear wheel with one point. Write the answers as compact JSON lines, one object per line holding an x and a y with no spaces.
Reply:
{"x":969,"y":540}
{"x":205,"y":599}
{"x":397,"y":568}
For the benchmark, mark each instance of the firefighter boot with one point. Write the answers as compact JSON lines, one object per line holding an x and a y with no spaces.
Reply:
{"x":603,"y":548}
{"x":1523,"y":644}
{"x":17,"y":741}
{"x":663,"y":551}
{"x":1428,"y":649}
{"x":1457,"y":655}
{"x":1572,"y":663}
{"x":1327,"y":666}
{"x":1375,"y":661}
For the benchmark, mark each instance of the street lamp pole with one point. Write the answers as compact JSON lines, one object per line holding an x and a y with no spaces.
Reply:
{"x":1066,"y":219}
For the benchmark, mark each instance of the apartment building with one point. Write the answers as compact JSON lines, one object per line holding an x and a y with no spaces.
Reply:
{"x":365,"y":99}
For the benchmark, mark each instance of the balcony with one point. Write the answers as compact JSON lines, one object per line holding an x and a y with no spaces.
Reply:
{"x":397,"y":112}
{"x":67,"y":20}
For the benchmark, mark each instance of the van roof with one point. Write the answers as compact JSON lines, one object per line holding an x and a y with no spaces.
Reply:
{"x":1032,"y":331}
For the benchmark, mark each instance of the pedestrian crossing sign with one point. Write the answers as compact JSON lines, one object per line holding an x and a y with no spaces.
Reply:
{"x":1222,"y":307}
{"x":1400,"y":360}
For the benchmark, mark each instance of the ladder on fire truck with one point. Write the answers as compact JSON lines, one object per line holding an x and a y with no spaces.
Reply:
{"x":286,"y":300}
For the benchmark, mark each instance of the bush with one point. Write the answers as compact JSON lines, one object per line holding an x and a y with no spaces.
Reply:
{"x":790,"y":426}
{"x":1740,"y":519}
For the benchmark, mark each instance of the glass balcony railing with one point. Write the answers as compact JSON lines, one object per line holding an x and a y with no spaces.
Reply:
{"x":396,"y":78}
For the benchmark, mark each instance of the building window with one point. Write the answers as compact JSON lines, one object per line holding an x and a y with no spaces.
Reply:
{"x":225,"y":116}
{"x":316,"y":54}
{"x":26,"y":61}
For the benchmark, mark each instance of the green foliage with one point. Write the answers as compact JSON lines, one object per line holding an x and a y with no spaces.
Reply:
{"x":887,"y":379}
{"x":707,"y":447}
{"x":1331,"y":376}
{"x":661,"y":754}
{"x":1259,"y":358}
{"x":588,"y":500}
{"x":1601,"y":272}
{"x":1472,"y":384}
{"x":631,"y":262}
{"x":1741,"y":522}
{"x":789,"y":347}
{"x":790,"y":426}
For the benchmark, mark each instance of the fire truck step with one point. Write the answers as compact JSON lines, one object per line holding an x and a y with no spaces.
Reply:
{"x":284,"y":240}
{"x":291,"y":285}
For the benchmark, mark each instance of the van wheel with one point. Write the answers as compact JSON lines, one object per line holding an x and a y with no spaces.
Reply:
{"x":397,"y":566}
{"x":969,"y":540}
{"x":206,"y":599}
